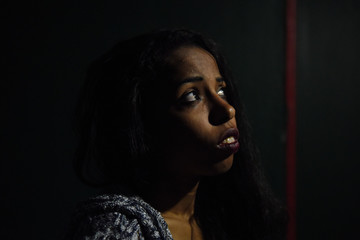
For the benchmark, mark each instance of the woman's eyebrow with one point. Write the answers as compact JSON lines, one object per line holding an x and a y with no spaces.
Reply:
{"x":196,"y":79}
{"x":189,"y":80}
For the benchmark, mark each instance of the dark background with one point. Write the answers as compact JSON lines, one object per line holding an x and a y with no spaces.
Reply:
{"x":49,"y":44}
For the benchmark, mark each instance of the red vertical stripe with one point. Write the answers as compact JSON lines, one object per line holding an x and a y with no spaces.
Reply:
{"x":291,"y":115}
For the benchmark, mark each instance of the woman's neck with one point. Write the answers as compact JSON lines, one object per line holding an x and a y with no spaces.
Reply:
{"x":184,"y":206}
{"x":173,"y":197}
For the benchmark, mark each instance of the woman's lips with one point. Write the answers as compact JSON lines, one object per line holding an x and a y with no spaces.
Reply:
{"x":229,"y":141}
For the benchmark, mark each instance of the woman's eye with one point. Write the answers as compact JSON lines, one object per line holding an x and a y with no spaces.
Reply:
{"x":221,"y":93}
{"x":190,"y":97}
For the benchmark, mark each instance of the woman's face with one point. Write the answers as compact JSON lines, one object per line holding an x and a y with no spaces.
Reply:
{"x":197,"y":125}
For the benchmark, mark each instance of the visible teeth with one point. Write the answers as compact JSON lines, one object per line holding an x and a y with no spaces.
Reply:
{"x":229,"y":140}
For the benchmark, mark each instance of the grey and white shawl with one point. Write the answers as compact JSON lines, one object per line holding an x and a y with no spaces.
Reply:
{"x":109,"y":217}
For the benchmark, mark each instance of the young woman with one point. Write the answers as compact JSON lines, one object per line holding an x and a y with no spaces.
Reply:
{"x":160,"y":118}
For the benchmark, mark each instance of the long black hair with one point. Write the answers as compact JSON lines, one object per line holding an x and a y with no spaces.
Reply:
{"x":114,"y":138}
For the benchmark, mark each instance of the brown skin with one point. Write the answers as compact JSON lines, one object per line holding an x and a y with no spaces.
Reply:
{"x":191,"y":126}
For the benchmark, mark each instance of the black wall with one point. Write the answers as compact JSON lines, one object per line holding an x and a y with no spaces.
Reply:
{"x":50,"y":43}
{"x":328,"y":119}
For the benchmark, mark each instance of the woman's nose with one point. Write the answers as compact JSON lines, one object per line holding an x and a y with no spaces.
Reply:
{"x":220,"y":111}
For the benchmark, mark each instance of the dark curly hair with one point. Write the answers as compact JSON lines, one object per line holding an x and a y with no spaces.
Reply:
{"x":115,"y":137}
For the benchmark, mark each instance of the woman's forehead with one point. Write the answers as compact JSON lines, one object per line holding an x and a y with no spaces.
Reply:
{"x":189,"y":53}
{"x":192,"y":61}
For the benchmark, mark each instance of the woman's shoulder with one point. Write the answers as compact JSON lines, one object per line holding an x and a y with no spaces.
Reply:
{"x":116,"y":216}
